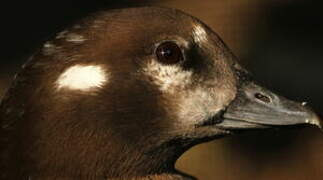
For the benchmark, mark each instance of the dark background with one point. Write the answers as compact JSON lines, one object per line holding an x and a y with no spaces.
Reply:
{"x":280,"y":41}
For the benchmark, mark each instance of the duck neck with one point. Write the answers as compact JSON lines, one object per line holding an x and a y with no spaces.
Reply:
{"x":141,"y":162}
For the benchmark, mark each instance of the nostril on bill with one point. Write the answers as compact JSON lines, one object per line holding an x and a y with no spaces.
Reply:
{"x":262,"y":98}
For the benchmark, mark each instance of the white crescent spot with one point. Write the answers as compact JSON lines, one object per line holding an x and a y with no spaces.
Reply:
{"x":82,"y":77}
{"x":199,"y":34}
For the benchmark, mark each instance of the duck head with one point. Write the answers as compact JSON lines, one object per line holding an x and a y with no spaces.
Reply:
{"x":124,"y":93}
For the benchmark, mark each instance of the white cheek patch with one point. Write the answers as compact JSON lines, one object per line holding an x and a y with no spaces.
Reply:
{"x":168,"y":77}
{"x":82,"y":77}
{"x":199,"y":34}
{"x":195,"y":106}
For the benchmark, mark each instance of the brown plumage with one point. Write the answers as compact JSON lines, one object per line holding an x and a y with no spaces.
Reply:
{"x":122,"y":94}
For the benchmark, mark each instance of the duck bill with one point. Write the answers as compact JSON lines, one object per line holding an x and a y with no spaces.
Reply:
{"x":256,"y":107}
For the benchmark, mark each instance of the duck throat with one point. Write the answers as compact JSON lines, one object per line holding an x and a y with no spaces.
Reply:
{"x":147,"y":162}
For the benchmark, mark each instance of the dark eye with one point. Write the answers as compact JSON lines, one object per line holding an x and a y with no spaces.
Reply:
{"x":169,"y":53}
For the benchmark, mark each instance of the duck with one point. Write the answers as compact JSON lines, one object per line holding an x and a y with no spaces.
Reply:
{"x":123,"y":93}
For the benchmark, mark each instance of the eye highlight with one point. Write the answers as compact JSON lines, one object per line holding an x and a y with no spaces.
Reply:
{"x":169,"y":53}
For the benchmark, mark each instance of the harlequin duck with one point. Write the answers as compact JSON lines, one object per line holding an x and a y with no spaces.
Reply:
{"x":122,"y":94}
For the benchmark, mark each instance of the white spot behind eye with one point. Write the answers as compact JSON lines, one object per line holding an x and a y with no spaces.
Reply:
{"x":81,"y":77}
{"x":199,"y":34}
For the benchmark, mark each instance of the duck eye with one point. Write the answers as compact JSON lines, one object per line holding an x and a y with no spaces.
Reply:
{"x":169,"y":53}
